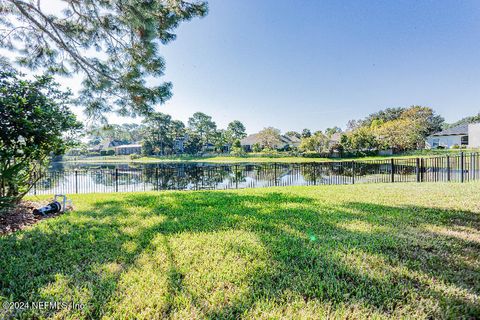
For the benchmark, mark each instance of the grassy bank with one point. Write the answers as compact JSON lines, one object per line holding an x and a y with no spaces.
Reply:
{"x":358,"y":251}
{"x":257,"y":158}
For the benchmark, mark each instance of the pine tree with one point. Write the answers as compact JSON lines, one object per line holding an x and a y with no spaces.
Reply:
{"x":115,"y":44}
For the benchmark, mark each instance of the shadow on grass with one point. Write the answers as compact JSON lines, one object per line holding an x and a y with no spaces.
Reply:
{"x":378,"y":257}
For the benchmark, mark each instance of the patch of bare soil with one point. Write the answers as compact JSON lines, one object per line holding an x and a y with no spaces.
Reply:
{"x":22,"y":216}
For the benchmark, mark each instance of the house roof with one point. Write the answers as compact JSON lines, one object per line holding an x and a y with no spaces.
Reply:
{"x":454,"y":131}
{"x":256,"y":138}
{"x":128,"y":146}
{"x":251,"y":139}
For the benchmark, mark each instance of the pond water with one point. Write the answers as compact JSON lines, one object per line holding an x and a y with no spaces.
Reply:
{"x":67,"y":178}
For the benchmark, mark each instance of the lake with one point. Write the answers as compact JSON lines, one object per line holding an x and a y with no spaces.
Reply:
{"x":67,"y":178}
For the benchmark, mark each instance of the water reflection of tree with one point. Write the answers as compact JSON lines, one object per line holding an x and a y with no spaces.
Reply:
{"x":183,"y":176}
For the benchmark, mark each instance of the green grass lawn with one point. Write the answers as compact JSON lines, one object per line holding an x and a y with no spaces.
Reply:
{"x":259,"y":158}
{"x":358,"y":251}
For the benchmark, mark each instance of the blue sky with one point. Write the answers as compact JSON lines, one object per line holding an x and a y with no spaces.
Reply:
{"x":316,"y":64}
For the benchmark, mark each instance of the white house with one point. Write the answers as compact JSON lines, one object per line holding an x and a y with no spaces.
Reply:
{"x":464,"y":135}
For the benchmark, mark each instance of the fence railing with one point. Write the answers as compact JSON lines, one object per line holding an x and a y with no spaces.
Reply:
{"x":188,"y":176}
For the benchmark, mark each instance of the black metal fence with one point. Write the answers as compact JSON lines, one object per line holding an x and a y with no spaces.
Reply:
{"x":187,"y":176}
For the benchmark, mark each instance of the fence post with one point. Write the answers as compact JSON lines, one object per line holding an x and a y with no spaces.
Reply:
{"x":275,"y":172}
{"x":236,"y":176}
{"x":116,"y":180}
{"x":421,"y":170}
{"x":417,"y":169}
{"x":448,"y":168}
{"x":314,"y":173}
{"x":461,"y":166}
{"x":76,"y":181}
{"x":392,"y":167}
{"x":34,"y":183}
{"x":353,"y":172}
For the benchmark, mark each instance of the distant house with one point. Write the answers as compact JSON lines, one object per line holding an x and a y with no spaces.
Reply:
{"x":179,"y":144}
{"x":464,"y":135}
{"x":104,"y":145}
{"x":284,"y":142}
{"x":126,"y":149}
{"x":335,"y":138}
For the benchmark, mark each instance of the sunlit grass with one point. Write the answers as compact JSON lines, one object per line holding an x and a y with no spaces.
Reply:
{"x":361,"y":251}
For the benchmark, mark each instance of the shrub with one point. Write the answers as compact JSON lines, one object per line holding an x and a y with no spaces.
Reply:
{"x":134,"y":156}
{"x":34,"y":118}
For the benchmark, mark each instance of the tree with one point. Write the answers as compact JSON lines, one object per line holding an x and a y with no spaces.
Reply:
{"x":269,"y":137}
{"x":425,"y":118}
{"x":306,"y":133}
{"x":35,"y":122}
{"x":331,"y":131}
{"x":237,"y":149}
{"x":409,"y":131}
{"x":466,"y":120}
{"x":115,"y":44}
{"x":385,"y":115}
{"x":177,"y":130}
{"x":203,"y":126}
{"x":318,"y":143}
{"x":157,"y":132}
{"x":293,"y":134}
{"x":361,"y":139}
{"x":235,"y":131}
{"x":193,"y":143}
{"x":221,"y":139}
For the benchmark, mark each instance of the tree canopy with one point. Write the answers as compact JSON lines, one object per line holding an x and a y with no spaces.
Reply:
{"x":35,"y":122}
{"x":466,"y":120}
{"x":269,"y":137}
{"x":115,"y":44}
{"x":393,"y":128}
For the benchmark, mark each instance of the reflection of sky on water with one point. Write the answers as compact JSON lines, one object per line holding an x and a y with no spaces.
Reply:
{"x":112,"y":177}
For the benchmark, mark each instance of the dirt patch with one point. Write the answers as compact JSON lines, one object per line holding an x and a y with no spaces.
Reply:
{"x":22,"y":216}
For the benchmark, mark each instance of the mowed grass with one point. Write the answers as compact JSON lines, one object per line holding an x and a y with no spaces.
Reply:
{"x":259,"y":158}
{"x":362,"y":251}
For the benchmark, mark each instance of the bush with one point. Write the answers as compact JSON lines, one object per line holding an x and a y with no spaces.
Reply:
{"x":134,"y":156}
{"x":256,"y":147}
{"x":34,"y":118}
{"x":238,"y":152}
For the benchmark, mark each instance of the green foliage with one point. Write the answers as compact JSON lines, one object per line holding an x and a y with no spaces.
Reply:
{"x":193,"y":144}
{"x":256,"y":147}
{"x":270,"y":138}
{"x":237,"y":151}
{"x":235,"y":131}
{"x":466,"y":120}
{"x":156,"y":133}
{"x":135,"y":156}
{"x":203,"y":126}
{"x":127,"y":34}
{"x":399,"y":129}
{"x":330,"y":131}
{"x":293,"y":134}
{"x":34,"y":122}
{"x":306,"y":133}
{"x":107,"y":152}
{"x":126,"y":133}
{"x":317,"y":143}
{"x":361,"y":139}
{"x":329,"y":252}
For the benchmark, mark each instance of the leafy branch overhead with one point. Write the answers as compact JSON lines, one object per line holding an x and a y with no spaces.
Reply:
{"x":115,"y":44}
